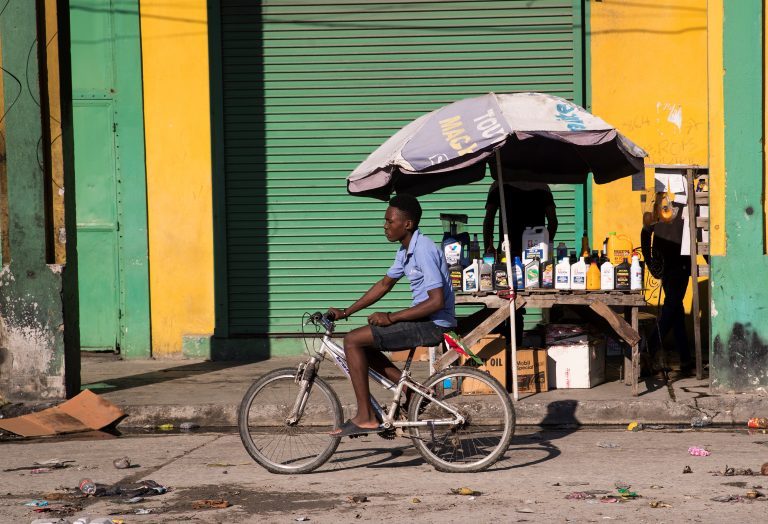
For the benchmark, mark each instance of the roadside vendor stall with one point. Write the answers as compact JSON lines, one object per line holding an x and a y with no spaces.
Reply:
{"x":529,"y":137}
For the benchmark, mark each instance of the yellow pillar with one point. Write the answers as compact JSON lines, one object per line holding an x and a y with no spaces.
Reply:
{"x":174,"y":40}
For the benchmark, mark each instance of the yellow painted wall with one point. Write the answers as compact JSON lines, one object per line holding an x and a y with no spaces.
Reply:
{"x":174,"y":37}
{"x":649,"y":79}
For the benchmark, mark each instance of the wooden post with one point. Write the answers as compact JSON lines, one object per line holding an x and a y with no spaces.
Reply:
{"x":689,"y":173}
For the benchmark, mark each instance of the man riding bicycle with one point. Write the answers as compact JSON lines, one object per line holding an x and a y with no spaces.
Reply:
{"x":431,"y":314}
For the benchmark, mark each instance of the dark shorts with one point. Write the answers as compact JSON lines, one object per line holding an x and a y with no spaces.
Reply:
{"x":406,"y":335}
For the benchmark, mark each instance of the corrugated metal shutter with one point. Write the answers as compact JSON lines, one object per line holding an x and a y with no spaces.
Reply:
{"x":311,"y":88}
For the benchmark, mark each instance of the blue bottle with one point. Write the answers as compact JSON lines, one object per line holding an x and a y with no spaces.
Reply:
{"x":518,"y":274}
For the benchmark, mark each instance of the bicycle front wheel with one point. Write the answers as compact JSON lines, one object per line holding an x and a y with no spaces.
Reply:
{"x":485,"y":434}
{"x":280,"y":445}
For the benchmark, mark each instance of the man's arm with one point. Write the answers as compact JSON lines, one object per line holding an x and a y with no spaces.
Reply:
{"x":488,"y":224}
{"x":434,"y":303}
{"x":551,"y":213}
{"x":373,"y":295}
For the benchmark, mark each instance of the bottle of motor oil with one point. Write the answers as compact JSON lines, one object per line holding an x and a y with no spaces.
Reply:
{"x":535,"y":242}
{"x":572,"y":258}
{"x":579,"y":274}
{"x":457,"y":277}
{"x":471,"y":281}
{"x":533,"y":273}
{"x":636,"y":274}
{"x":548,"y":274}
{"x":486,"y":276}
{"x":563,"y":274}
{"x":606,"y":275}
{"x":518,"y":278}
{"x":500,"y":280}
{"x":593,"y":275}
{"x":562,"y":251}
{"x":474,"y":248}
{"x":585,"y":244}
{"x":622,"y":276}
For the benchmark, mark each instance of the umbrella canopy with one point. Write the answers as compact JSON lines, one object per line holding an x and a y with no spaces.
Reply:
{"x":539,"y":137}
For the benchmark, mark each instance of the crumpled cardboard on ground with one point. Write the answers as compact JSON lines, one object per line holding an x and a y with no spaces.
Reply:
{"x":85,"y":412}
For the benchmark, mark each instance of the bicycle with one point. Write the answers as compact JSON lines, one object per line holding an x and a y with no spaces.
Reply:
{"x":460,"y":419}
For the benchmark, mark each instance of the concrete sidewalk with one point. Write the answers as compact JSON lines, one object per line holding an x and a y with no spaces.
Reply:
{"x":154,"y":392}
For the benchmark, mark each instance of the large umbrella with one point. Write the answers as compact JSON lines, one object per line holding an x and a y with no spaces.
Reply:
{"x":533,"y":137}
{"x":539,"y":137}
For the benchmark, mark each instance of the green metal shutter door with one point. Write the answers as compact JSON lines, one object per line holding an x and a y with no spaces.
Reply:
{"x":311,"y":88}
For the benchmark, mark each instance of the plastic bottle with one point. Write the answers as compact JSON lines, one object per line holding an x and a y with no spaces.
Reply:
{"x":533,"y":273}
{"x":87,"y":486}
{"x":579,"y":274}
{"x":474,"y":248}
{"x":606,"y":275}
{"x":563,"y":274}
{"x":500,"y":280}
{"x":489,"y":257}
{"x":585,"y":244}
{"x":486,"y":276}
{"x":593,"y":275}
{"x":622,"y":276}
{"x":535,"y":242}
{"x":518,"y":272}
{"x":572,"y":257}
{"x":619,"y":248}
{"x":456,"y":273}
{"x":548,"y":274}
{"x":470,"y":275}
{"x":636,"y":274}
{"x":562,"y":251}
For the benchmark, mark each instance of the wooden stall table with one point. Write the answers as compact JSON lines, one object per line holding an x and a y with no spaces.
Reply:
{"x":599,"y":301}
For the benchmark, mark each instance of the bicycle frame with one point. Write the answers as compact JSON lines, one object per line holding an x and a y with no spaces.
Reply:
{"x":387,"y":417}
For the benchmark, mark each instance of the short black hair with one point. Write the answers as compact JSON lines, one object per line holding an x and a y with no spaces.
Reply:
{"x":408,"y":205}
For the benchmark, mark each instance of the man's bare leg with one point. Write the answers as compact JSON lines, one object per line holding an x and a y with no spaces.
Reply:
{"x":355,"y":344}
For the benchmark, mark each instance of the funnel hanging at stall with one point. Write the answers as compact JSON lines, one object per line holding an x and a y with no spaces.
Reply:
{"x":531,"y":136}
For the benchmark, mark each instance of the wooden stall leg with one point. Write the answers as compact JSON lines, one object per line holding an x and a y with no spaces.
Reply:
{"x":635,"y":353}
{"x":626,"y":369}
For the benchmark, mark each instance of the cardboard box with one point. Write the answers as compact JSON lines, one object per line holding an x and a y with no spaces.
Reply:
{"x":577,"y":365}
{"x":492,"y":349}
{"x":532,"y":370}
{"x":420,"y":355}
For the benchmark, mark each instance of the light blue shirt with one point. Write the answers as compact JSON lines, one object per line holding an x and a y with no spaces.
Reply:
{"x":425,"y":266}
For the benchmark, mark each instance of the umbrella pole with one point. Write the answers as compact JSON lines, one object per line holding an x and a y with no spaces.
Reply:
{"x":505,"y":246}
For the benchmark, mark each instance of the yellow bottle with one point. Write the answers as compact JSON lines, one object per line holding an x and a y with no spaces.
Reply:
{"x":593,"y":276}
{"x":619,"y":248}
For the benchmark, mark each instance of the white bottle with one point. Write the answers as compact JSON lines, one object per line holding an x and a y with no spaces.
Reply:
{"x":579,"y":274}
{"x":606,"y":275}
{"x":563,"y":274}
{"x":636,"y":274}
{"x":471,"y":277}
{"x":486,"y":277}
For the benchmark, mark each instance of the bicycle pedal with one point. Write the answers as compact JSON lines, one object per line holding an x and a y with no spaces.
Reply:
{"x":387,"y":434}
{"x":359,"y":435}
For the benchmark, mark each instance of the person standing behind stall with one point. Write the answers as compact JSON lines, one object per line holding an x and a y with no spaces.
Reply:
{"x":528,"y":204}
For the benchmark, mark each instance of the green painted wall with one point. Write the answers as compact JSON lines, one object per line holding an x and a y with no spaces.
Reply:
{"x":739,"y":352}
{"x":32,"y":358}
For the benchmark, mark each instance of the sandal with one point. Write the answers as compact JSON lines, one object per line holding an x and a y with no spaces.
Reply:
{"x":350,"y":429}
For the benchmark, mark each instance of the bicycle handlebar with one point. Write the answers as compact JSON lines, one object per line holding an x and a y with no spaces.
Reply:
{"x":322,"y":319}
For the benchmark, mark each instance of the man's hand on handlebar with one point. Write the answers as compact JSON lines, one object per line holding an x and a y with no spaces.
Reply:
{"x":380,"y":319}
{"x":335,"y":314}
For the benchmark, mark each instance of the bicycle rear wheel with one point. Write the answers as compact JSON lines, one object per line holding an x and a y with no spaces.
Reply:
{"x":484,"y":436}
{"x":271,"y":440}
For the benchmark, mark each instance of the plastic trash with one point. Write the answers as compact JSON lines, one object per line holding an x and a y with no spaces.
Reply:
{"x":165,"y":427}
{"x":122,"y":463}
{"x":701,"y":422}
{"x":698,"y":452}
{"x":87,"y":486}
{"x":465,"y":491}
{"x":302,"y":519}
{"x":634,"y":426}
{"x":186,"y":426}
{"x":758,"y":423}
{"x":36,"y":503}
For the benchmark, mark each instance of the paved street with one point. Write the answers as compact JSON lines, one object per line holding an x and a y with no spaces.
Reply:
{"x":529,"y":485}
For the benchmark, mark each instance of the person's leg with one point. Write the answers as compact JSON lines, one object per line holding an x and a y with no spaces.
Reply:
{"x":675,"y":295}
{"x":356,"y":342}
